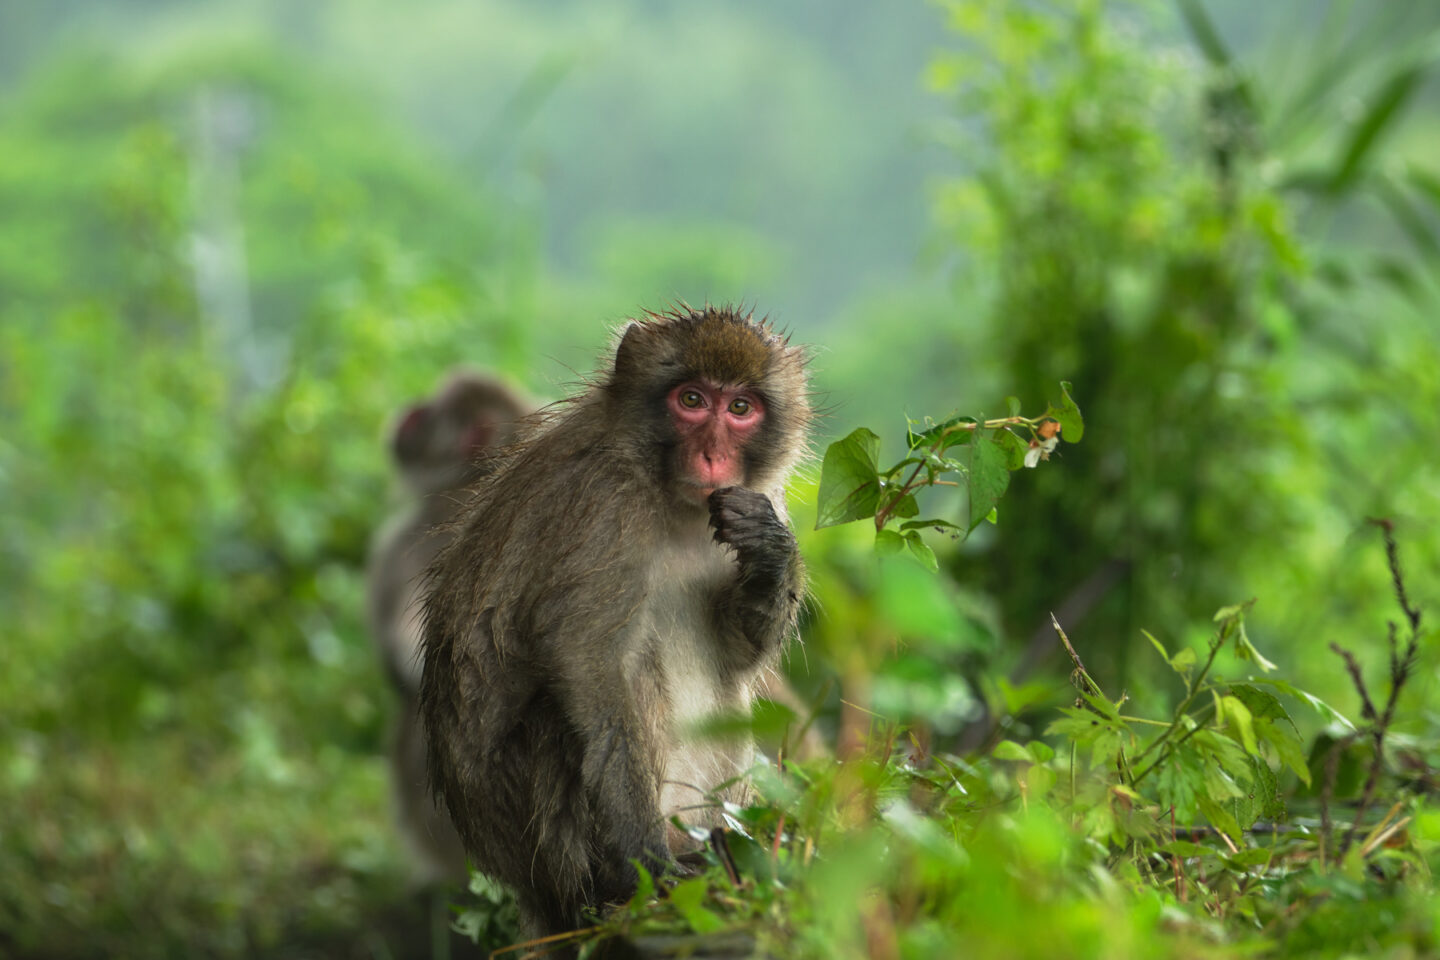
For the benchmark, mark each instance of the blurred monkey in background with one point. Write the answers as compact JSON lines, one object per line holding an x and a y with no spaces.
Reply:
{"x":439,"y":446}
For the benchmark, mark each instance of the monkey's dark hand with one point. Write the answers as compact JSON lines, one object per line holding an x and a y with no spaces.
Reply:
{"x":759,"y":608}
{"x":764,"y":546}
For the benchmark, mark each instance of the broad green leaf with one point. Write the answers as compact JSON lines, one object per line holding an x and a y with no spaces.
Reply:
{"x":921,"y":551}
{"x":888,"y":542}
{"x":849,"y":480}
{"x":989,"y":478}
{"x":906,"y":507}
{"x":1010,"y":750}
{"x":1013,"y":447}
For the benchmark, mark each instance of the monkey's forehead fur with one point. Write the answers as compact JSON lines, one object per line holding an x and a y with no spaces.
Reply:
{"x":719,"y":344}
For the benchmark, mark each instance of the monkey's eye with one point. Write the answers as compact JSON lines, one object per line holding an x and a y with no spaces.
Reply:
{"x":740,"y":407}
{"x":691,"y":398}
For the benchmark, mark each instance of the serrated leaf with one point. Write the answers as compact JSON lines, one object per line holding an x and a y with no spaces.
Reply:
{"x":849,"y":480}
{"x":921,"y":551}
{"x":1320,"y":706}
{"x":1262,"y":705}
{"x":1274,"y":726}
{"x":989,"y":478}
{"x":1221,"y":819}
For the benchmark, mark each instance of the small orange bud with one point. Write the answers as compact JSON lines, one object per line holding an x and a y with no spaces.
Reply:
{"x":1048,"y":429}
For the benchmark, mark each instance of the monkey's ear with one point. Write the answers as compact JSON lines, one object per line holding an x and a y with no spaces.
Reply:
{"x":631,"y":354}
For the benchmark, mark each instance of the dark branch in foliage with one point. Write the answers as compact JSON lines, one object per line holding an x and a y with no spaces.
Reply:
{"x":1400,"y":669}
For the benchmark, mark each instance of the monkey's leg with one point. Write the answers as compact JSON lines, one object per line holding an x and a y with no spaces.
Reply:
{"x":759,"y":608}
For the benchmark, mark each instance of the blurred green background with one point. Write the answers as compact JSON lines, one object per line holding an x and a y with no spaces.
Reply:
{"x":235,"y":238}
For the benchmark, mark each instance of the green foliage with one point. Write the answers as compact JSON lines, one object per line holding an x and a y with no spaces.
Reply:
{"x":1117,"y":835}
{"x":1158,"y":231}
{"x":192,"y":467}
{"x":854,"y":487}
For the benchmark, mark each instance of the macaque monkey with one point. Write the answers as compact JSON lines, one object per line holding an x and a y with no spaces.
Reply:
{"x":438,"y":446}
{"x":625,"y":571}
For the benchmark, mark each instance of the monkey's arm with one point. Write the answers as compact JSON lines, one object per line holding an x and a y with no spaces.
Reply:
{"x":758,"y":609}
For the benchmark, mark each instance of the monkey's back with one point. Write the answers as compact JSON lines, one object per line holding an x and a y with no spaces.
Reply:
{"x":505,"y":748}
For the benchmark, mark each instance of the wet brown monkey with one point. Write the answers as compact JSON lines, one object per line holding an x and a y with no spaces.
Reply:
{"x":627,"y":570}
{"x":438,"y":446}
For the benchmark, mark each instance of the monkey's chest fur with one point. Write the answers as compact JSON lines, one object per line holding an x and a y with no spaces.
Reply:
{"x":688,"y":573}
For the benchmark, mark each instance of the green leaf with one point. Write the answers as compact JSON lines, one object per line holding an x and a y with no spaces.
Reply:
{"x":1330,"y":714}
{"x":906,"y":507}
{"x":644,"y":888}
{"x":1157,"y":644}
{"x":928,"y":525}
{"x":921,"y":551}
{"x":686,"y":897}
{"x":888,"y":542}
{"x":1010,"y":750}
{"x":1184,"y":848}
{"x":989,"y":478}
{"x":1221,"y":819}
{"x":1072,"y":425}
{"x":1385,"y":108}
{"x":1262,"y":705}
{"x":1250,"y":857}
{"x":1245,"y":650}
{"x":1274,"y":726}
{"x":849,"y":480}
{"x":1013,"y":447}
{"x":1012,"y":404}
{"x":942,"y":431}
{"x":1241,"y":722}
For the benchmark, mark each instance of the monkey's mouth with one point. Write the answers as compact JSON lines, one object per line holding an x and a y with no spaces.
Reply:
{"x":696,"y":494}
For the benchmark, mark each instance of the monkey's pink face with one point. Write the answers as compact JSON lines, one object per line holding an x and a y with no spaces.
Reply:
{"x":713,"y":423}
